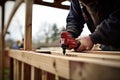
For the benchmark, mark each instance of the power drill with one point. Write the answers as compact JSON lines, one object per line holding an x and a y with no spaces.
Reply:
{"x":68,"y":42}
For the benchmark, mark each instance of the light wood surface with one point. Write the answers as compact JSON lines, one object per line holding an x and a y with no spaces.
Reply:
{"x":72,"y":67}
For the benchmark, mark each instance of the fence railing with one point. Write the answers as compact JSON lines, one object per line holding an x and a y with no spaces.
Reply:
{"x":31,"y":65}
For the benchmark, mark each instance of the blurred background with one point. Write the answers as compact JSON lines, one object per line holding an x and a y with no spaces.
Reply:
{"x":47,"y":24}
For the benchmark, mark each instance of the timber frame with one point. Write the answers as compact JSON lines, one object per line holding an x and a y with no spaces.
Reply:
{"x":28,"y":24}
{"x":72,"y":66}
{"x":28,"y":64}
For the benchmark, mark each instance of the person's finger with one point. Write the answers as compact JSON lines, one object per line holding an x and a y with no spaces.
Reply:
{"x":81,"y":48}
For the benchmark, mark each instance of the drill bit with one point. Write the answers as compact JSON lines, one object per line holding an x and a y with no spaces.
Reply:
{"x":64,"y":51}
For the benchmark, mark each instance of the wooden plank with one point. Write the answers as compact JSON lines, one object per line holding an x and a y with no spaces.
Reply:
{"x":103,"y":52}
{"x":87,"y":54}
{"x":32,"y":73}
{"x":15,"y":69}
{"x":87,"y":71}
{"x":59,"y":50}
{"x":61,"y":64}
{"x":97,"y":56}
{"x":28,"y":25}
{"x":42,"y":61}
{"x":22,"y":71}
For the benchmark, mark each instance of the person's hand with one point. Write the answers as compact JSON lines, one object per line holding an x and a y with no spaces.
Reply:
{"x":86,"y":44}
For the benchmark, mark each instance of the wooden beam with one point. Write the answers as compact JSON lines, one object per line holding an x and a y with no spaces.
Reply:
{"x":109,"y":55}
{"x":16,"y":6}
{"x":58,"y":50}
{"x":104,"y":52}
{"x":28,"y":25}
{"x":42,"y":61}
{"x":56,"y":5}
{"x":88,"y":71}
{"x":2,"y":45}
{"x":2,"y":35}
{"x":70,"y":67}
{"x":1,"y":59}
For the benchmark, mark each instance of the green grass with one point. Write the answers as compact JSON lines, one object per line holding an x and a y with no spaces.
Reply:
{"x":6,"y":74}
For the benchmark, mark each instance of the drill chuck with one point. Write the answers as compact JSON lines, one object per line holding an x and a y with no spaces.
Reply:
{"x":67,"y":42}
{"x":64,"y":47}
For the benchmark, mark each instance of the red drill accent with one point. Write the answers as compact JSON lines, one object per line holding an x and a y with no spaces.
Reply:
{"x":68,"y":42}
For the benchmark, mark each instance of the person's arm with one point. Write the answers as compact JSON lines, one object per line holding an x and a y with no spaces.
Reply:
{"x":108,"y":32}
{"x":75,"y":20}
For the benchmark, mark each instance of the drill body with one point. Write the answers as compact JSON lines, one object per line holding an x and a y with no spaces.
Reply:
{"x":67,"y":42}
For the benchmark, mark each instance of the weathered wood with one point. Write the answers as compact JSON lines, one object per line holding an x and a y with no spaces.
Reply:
{"x":71,"y":67}
{"x":28,"y":25}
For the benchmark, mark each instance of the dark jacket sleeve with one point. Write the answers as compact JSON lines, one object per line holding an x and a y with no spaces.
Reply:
{"x":75,"y":20}
{"x":108,"y":32}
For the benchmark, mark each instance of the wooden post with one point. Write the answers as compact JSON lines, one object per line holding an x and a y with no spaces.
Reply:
{"x":28,"y":25}
{"x":2,"y":45}
{"x":28,"y":35}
